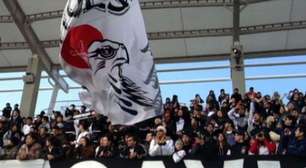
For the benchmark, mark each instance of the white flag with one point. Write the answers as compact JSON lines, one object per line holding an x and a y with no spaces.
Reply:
{"x":104,"y":47}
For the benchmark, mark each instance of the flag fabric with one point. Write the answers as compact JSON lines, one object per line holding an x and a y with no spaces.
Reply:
{"x":104,"y":47}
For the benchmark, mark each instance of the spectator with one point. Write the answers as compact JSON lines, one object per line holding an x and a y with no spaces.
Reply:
{"x":183,"y":120}
{"x":211,"y":102}
{"x":167,"y":105}
{"x":222,"y":145}
{"x":197,"y":101}
{"x":261,"y":145}
{"x":30,"y":149}
{"x":98,"y":126}
{"x":132,"y":150}
{"x":60,"y":136}
{"x":83,"y":126}
{"x":251,"y":93}
{"x":161,"y":145}
{"x":239,"y":117}
{"x":42,"y":135}
{"x":84,"y":150}
{"x":45,"y":123}
{"x":54,"y":149}
{"x":60,"y":121}
{"x":240,"y":147}
{"x":105,"y":148}
{"x":175,"y":102}
{"x":170,"y":124}
{"x":37,"y":121}
{"x":229,"y":133}
{"x":219,"y":119}
{"x":198,"y":144}
{"x":187,"y":141}
{"x":13,"y":132}
{"x":210,"y":144}
{"x":222,"y":96}
{"x":10,"y":149}
{"x":236,"y":95}
{"x":16,"y":119}
{"x":148,"y":140}
{"x":179,"y":153}
{"x":83,"y":109}
{"x":2,"y":132}
{"x":199,"y":117}
{"x":6,"y":112}
{"x":297,"y":142}
{"x":16,"y":108}
{"x":252,"y":124}
{"x":28,"y":126}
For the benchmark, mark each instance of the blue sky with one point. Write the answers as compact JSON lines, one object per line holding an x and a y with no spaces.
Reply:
{"x":185,"y":91}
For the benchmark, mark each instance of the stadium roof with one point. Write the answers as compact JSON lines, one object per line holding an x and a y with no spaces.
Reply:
{"x":180,"y":30}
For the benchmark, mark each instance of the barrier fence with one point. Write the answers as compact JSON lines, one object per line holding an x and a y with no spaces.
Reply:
{"x":166,"y":162}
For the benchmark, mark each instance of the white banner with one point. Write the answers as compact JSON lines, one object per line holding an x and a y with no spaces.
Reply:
{"x":24,"y":164}
{"x":105,"y":48}
{"x":119,"y":163}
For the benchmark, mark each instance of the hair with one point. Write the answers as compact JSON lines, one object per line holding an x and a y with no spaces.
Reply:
{"x":45,"y":118}
{"x":224,"y":139}
{"x":33,"y":135}
{"x":84,"y":124}
{"x":302,"y":129}
{"x":108,"y":136}
{"x":132,"y":136}
{"x":87,"y":141}
{"x":53,"y":141}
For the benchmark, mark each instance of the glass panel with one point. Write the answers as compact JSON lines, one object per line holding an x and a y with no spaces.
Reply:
{"x":43,"y":101}
{"x":186,"y":92}
{"x":11,"y":85}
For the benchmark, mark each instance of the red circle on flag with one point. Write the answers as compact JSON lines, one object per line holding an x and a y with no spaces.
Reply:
{"x":75,"y":46}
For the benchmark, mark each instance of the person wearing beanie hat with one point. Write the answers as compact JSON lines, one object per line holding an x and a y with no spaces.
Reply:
{"x":161,"y":145}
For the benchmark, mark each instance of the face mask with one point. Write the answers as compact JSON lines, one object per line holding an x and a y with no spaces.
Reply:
{"x":229,"y":132}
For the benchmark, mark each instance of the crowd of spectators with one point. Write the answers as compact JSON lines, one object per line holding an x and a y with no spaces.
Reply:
{"x":237,"y":124}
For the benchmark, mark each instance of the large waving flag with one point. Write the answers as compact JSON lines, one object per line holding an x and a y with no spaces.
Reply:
{"x":104,"y":47}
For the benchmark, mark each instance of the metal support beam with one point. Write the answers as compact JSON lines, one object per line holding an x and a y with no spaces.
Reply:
{"x":237,"y":60}
{"x":263,"y":28}
{"x":53,"y":99}
{"x":161,"y":4}
{"x":31,"y":86}
{"x":34,"y":43}
{"x":236,"y":20}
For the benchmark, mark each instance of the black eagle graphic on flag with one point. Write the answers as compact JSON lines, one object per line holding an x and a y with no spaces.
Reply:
{"x":105,"y":49}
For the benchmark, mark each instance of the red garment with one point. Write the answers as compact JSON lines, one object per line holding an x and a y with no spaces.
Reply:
{"x":254,"y":147}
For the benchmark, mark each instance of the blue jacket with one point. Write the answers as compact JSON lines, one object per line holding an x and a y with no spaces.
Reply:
{"x":296,"y":147}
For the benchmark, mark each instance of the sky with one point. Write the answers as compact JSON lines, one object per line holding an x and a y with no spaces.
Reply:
{"x":185,"y":91}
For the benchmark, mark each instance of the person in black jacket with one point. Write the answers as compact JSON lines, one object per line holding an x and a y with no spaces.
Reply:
{"x":241,"y":147}
{"x":132,"y":150}
{"x":105,"y":148}
{"x":16,"y":119}
{"x":222,"y":145}
{"x":6,"y":112}
{"x":99,"y":127}
{"x":236,"y":95}
{"x":54,"y":149}
{"x":2,"y":132}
